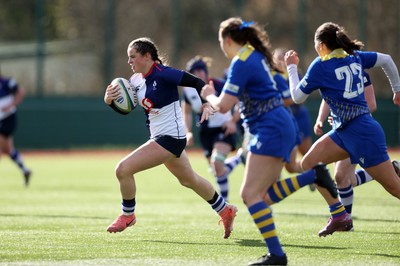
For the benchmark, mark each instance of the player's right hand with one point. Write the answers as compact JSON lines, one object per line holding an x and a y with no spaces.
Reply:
{"x":318,"y":130}
{"x":112,"y":93}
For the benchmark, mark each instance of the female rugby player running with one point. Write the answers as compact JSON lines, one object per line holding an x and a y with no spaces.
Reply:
{"x":250,"y":82}
{"x":218,"y":134}
{"x":342,"y":65}
{"x":157,"y":90}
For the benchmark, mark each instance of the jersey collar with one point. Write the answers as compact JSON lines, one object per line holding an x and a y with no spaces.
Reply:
{"x":337,"y":53}
{"x":151,"y":70}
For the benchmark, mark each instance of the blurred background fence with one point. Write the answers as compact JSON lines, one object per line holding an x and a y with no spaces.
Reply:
{"x":65,"y":52}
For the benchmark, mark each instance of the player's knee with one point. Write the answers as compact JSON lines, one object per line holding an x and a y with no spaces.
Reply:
{"x":339,"y":176}
{"x":395,"y":191}
{"x":218,"y":161}
{"x":248,"y":196}
{"x":189,"y":181}
{"x":306,"y":164}
{"x":121,"y":171}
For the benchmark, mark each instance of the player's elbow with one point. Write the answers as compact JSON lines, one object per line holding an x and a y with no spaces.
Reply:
{"x":298,"y":100}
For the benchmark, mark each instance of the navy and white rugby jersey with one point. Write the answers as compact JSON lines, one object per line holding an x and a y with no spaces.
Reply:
{"x":158,"y":94}
{"x":8,"y":88}
{"x":340,"y":79}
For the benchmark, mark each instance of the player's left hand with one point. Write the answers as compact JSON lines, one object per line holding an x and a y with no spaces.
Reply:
{"x":207,"y":111}
{"x":291,"y":57}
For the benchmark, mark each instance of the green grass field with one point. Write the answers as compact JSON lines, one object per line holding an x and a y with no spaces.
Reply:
{"x":61,"y":219}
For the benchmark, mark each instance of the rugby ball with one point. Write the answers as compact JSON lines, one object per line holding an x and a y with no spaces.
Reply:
{"x":127,"y":100}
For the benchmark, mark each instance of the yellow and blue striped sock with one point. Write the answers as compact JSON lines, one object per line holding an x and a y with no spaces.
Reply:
{"x":337,"y":209}
{"x":284,"y":188}
{"x":262,"y":216}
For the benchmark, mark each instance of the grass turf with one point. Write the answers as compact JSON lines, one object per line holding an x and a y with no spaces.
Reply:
{"x":61,"y":219}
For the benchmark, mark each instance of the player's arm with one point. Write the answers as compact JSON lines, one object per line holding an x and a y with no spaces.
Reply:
{"x":369,"y":95}
{"x":323,"y":113}
{"x":292,"y":60}
{"x":187,"y":118}
{"x":189,"y":80}
{"x":389,"y":67}
{"x":222,"y":103}
{"x":19,"y":94}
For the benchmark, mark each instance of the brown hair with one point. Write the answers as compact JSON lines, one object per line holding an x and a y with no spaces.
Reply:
{"x":146,"y":45}
{"x":242,"y":32}
{"x":335,"y":36}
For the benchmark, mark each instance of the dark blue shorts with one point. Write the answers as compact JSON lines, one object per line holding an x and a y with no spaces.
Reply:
{"x":209,"y":136}
{"x":364,"y":140}
{"x":8,"y":125}
{"x":173,"y":145}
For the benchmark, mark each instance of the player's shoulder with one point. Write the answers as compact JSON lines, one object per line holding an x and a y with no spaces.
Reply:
{"x":168,"y":72}
{"x":245,"y":52}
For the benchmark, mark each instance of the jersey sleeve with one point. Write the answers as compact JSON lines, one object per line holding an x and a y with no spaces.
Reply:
{"x":368,"y":59}
{"x":312,"y":79}
{"x":172,"y":75}
{"x":237,"y":79}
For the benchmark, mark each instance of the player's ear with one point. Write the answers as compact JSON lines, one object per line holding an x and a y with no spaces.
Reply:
{"x":148,"y":56}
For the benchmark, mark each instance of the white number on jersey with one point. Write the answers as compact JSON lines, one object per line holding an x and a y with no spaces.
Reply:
{"x":347,"y":73}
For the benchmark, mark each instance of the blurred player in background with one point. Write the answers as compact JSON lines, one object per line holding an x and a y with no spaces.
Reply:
{"x":157,"y":92}
{"x":218,"y":133}
{"x":299,"y":112}
{"x":11,"y":95}
{"x":282,"y":84}
{"x":250,"y":82}
{"x":355,"y":134}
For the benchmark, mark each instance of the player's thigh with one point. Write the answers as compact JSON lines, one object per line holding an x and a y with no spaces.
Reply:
{"x":261,"y":172}
{"x":324,"y":150}
{"x":385,"y":174}
{"x":147,"y":156}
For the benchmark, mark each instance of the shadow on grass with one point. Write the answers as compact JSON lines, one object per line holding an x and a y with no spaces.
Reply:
{"x":327,"y":216}
{"x":376,"y":254}
{"x":52,"y":216}
{"x":260,"y":243}
{"x":183,"y":242}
